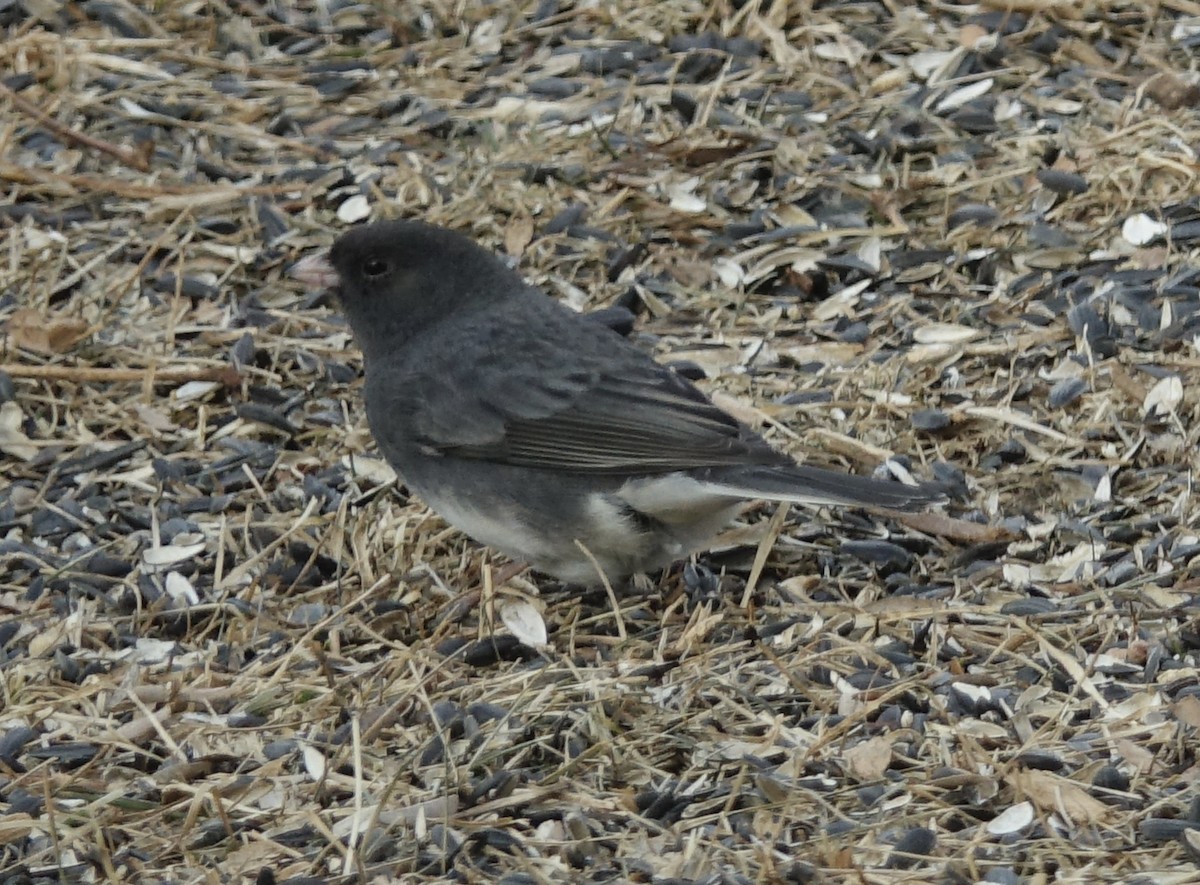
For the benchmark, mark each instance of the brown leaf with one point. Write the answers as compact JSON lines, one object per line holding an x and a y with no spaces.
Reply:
{"x":707,"y":154}
{"x":29,"y":330}
{"x":1058,"y":795}
{"x":1171,"y":92}
{"x":869,"y":760}
{"x":518,"y":235}
{"x":1152,"y":257}
{"x":969,"y":35}
{"x":943,"y":526}
{"x":15,"y":828}
{"x":836,"y":353}
{"x":1187,"y":710}
{"x":13,"y":440}
{"x":1135,"y":754}
{"x":1125,"y":383}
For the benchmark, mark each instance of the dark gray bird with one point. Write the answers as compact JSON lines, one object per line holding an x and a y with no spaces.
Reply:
{"x":530,"y":427}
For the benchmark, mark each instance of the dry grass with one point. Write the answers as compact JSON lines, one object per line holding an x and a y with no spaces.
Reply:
{"x":230,"y":649}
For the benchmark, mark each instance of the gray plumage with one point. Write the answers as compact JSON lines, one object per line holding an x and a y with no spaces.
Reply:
{"x":530,"y":428}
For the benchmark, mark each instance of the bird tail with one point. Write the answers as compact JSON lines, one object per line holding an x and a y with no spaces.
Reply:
{"x":800,"y":484}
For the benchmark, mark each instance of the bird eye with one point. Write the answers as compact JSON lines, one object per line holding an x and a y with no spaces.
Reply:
{"x":375,"y":267}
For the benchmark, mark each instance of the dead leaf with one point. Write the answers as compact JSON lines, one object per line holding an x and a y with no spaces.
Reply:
{"x":1172,"y":92}
{"x":943,"y":526}
{"x":15,"y":828}
{"x":518,"y":235}
{"x":1152,"y":257}
{"x":836,"y":353}
{"x":153,"y":419}
{"x":1187,"y":710}
{"x":1125,"y":383}
{"x":1058,"y":795}
{"x":869,"y":760}
{"x":969,"y":35}
{"x":29,"y":330}
{"x":706,"y":155}
{"x":13,"y":440}
{"x":1135,"y":754}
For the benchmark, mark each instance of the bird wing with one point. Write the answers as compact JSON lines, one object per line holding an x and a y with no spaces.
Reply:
{"x":597,"y":405}
{"x":621,"y":424}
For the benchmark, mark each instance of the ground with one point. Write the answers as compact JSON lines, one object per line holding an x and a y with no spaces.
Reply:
{"x":953,"y":242}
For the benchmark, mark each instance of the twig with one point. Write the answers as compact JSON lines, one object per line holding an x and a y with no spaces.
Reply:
{"x":764,"y":550}
{"x":135,"y":159}
{"x":132,"y":190}
{"x":227,"y":375}
{"x":612,"y":597}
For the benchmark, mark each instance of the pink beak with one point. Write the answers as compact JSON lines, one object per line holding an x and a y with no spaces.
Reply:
{"x":315,"y":272}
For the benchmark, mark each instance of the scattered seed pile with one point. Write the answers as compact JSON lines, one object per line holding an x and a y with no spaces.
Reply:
{"x":953,"y":241}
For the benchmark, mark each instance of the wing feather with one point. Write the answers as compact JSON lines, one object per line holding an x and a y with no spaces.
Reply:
{"x":557,"y":396}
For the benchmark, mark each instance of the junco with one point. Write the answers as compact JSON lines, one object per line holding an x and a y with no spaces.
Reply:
{"x":534,"y":429}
